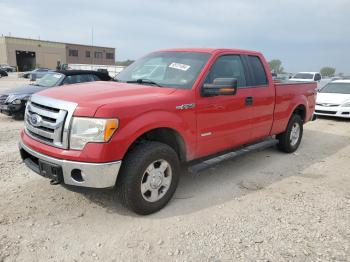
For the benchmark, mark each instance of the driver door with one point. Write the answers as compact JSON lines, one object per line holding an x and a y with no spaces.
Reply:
{"x":224,"y":122}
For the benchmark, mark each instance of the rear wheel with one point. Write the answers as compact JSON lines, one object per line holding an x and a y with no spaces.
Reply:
{"x":148,"y":178}
{"x":289,"y":141}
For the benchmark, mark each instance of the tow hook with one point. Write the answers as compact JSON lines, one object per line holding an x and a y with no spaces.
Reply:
{"x":54,"y":182}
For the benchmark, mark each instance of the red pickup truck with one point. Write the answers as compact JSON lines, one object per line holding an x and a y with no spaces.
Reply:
{"x":169,"y":107}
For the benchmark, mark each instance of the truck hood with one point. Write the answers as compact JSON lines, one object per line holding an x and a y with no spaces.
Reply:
{"x":332,"y":98}
{"x":93,"y":95}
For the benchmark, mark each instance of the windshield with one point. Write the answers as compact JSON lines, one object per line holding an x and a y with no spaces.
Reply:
{"x":50,"y":80}
{"x":172,"y":69}
{"x":338,"y":88}
{"x":304,"y":76}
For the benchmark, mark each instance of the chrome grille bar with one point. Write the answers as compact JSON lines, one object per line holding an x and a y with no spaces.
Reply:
{"x":48,"y":120}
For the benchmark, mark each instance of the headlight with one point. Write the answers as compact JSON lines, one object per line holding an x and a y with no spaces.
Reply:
{"x":346,"y":104}
{"x":85,"y":130}
{"x":16,"y":99}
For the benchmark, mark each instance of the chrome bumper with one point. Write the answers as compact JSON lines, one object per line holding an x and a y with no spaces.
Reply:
{"x":94,"y":175}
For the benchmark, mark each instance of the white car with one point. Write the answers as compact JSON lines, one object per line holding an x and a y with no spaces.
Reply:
{"x":307,"y":77}
{"x":334,"y":99}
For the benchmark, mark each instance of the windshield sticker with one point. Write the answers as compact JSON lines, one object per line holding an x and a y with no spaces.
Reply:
{"x":179,"y":66}
{"x":57,"y":75}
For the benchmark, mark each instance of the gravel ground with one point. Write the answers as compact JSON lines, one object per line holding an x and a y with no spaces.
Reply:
{"x":266,"y":206}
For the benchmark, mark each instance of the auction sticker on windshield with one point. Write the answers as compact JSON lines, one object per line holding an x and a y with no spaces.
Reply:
{"x":57,"y":75}
{"x":178,"y":66}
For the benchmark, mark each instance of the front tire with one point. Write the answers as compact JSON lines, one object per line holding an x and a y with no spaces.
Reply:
{"x":149,"y":177}
{"x":289,"y":140}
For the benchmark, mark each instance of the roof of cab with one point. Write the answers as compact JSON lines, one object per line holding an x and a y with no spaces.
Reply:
{"x":211,"y":50}
{"x":103,"y":76}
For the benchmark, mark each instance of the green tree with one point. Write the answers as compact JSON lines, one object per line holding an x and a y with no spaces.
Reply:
{"x":276,"y":66}
{"x":327,"y":71}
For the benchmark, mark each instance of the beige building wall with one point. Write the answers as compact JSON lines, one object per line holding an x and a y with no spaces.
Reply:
{"x":84,"y":54}
{"x":3,"y":53}
{"x":46,"y":53}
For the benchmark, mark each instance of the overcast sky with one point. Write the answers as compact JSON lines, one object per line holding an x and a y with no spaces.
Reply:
{"x":305,"y":34}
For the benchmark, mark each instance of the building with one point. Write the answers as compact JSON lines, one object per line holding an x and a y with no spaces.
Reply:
{"x":27,"y":54}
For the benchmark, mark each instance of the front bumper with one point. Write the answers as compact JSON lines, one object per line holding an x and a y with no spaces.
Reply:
{"x":93,"y":175}
{"x":9,"y":109}
{"x":337,"y":111}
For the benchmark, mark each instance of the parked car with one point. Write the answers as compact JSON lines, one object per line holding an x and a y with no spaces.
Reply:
{"x":334,"y":99}
{"x":36,"y":73}
{"x":133,"y":134}
{"x":8,"y":68}
{"x":3,"y":73}
{"x":307,"y":77}
{"x":13,"y":101}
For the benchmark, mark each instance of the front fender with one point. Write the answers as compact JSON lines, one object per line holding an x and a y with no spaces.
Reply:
{"x":130,"y":131}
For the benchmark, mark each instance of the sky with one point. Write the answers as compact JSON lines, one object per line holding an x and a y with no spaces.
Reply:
{"x":304,"y":35}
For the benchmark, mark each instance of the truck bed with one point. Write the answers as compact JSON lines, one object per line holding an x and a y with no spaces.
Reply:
{"x":288,"y":97}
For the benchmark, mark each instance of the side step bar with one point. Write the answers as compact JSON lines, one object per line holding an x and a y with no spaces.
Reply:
{"x":239,"y":152}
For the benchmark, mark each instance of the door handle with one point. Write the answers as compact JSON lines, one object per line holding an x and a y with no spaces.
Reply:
{"x":249,"y":100}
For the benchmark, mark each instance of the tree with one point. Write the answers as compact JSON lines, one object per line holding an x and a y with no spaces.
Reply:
{"x":276,"y":66}
{"x":327,"y":71}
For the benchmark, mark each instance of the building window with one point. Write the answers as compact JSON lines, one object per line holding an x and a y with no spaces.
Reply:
{"x":73,"y":52}
{"x":87,"y":53}
{"x":98,"y":55}
{"x":109,"y":55}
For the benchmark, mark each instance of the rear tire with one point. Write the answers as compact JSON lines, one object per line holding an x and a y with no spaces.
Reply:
{"x":143,"y":186}
{"x":289,"y":140}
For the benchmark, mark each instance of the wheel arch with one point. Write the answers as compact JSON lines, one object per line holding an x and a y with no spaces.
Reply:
{"x":301,"y":111}
{"x":166,"y":135}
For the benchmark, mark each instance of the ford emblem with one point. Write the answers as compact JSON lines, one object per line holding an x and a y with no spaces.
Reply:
{"x":35,"y":120}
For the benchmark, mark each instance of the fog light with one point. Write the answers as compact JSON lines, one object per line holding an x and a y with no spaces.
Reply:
{"x":76,"y":175}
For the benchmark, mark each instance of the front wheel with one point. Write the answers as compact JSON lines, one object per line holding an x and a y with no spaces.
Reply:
{"x":148,"y":178}
{"x":290,"y":139}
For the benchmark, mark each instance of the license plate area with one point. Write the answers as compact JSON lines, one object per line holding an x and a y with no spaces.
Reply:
{"x":51,"y":171}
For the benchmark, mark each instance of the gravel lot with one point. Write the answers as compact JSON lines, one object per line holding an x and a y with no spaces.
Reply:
{"x":265,"y":206}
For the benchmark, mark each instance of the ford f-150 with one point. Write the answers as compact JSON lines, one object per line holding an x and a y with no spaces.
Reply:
{"x":167,"y":108}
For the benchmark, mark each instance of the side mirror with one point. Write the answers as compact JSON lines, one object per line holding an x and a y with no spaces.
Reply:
{"x":32,"y":77}
{"x":221,"y":87}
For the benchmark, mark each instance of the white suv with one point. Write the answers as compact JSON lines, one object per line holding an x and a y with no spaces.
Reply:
{"x":307,"y":77}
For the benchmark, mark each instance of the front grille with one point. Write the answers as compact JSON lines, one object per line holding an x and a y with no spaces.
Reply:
{"x":327,"y":104}
{"x":326,"y":112}
{"x":3,"y":99}
{"x":47,"y":120}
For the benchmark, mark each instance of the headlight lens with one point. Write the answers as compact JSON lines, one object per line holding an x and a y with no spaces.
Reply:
{"x":346,"y":104}
{"x":85,"y":130}
{"x":16,"y":99}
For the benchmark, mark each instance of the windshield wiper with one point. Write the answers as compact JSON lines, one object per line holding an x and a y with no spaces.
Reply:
{"x":144,"y":81}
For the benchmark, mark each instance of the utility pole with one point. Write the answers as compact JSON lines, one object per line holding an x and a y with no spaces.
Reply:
{"x":92,"y":47}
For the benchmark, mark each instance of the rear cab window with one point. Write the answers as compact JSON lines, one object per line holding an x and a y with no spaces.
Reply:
{"x":258,"y":77}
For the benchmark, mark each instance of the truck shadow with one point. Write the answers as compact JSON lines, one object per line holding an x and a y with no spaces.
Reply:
{"x":234,"y":178}
{"x":335,"y":119}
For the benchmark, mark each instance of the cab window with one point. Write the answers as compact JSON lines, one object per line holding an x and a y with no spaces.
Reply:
{"x":259,"y":77}
{"x":227,"y":66}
